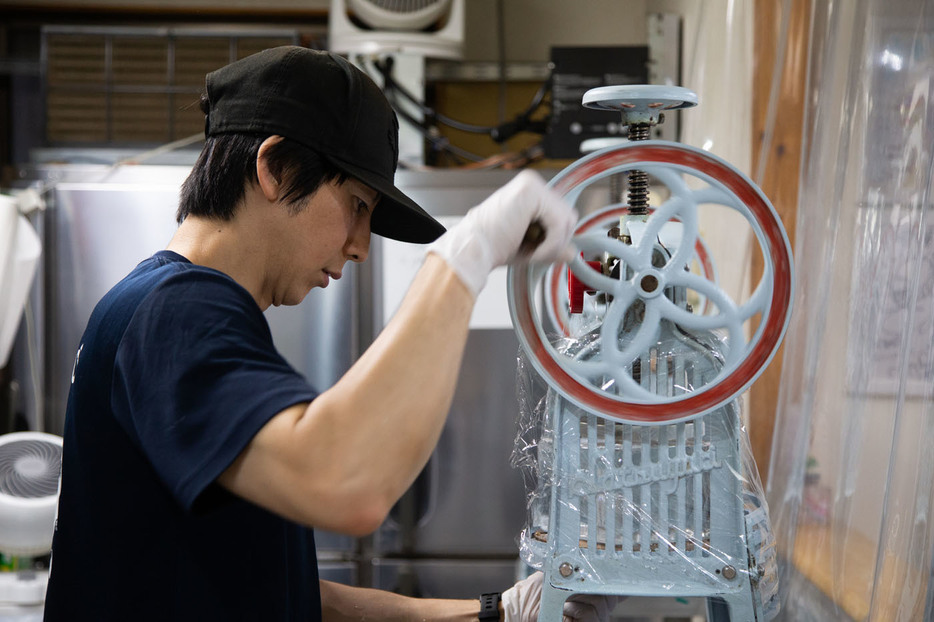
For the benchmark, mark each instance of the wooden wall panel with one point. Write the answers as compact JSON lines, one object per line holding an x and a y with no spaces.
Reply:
{"x":178,"y":7}
{"x":118,"y":86}
{"x":781,"y":168}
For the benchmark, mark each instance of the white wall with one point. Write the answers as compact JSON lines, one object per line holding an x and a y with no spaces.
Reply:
{"x":533,"y":26}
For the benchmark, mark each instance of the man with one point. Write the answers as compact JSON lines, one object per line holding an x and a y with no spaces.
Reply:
{"x":196,"y":460}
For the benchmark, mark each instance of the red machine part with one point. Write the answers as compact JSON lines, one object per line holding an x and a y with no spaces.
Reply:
{"x":577,"y":288}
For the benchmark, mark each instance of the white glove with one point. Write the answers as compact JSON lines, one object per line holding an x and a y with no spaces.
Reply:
{"x":491,"y":233}
{"x":522,"y":601}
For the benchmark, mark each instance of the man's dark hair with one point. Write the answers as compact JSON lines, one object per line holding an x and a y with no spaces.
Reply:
{"x":227,"y":163}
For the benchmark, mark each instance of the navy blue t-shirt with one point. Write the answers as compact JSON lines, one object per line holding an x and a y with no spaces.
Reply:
{"x":175,"y":374}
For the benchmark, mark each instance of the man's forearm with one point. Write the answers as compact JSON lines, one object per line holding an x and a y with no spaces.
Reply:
{"x":342,"y":603}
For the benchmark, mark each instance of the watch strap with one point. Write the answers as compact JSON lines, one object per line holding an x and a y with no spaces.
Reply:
{"x":489,"y":606}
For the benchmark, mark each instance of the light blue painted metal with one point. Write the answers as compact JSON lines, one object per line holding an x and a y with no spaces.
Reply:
{"x":641,"y":504}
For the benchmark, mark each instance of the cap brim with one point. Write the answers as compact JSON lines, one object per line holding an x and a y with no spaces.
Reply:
{"x":396,"y":215}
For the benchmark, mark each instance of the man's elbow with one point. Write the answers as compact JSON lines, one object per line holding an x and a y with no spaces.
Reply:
{"x":365,"y":520}
{"x":353,"y":513}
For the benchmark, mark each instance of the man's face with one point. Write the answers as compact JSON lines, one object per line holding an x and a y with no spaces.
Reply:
{"x":333,"y":228}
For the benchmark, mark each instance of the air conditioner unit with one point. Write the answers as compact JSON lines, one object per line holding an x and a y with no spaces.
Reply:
{"x":426,"y":28}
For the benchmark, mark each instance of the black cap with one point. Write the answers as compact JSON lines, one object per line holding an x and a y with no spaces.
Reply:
{"x":322,"y":101}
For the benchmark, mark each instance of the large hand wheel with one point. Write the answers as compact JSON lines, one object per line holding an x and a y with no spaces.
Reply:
{"x":583,"y":380}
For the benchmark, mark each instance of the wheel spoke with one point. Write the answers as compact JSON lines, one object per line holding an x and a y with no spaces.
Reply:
{"x":645,"y":337}
{"x":627,"y":387}
{"x":599,"y":242}
{"x":689,"y":234}
{"x":729,"y":321}
{"x":587,"y":275}
{"x":671,"y":178}
{"x":595,"y":279}
{"x":759,"y":300}
{"x":700,"y":284}
{"x":616,"y":315}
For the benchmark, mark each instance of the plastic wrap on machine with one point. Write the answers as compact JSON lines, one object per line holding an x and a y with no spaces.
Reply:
{"x":640,"y":475}
{"x":642,"y":493}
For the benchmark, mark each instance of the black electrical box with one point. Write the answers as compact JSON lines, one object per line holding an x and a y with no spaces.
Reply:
{"x":575,"y":71}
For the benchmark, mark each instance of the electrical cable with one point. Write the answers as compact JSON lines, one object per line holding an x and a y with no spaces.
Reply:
{"x":385,"y":69}
{"x":510,"y":160}
{"x":441,"y":144}
{"x":391,"y":88}
{"x":437,"y":142}
{"x":499,"y":133}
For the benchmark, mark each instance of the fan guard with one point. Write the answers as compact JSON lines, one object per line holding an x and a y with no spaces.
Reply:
{"x":30,"y":467}
{"x":399,"y":14}
{"x":420,"y":28}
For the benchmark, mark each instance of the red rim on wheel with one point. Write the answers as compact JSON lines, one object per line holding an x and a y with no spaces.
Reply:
{"x":773,"y":322}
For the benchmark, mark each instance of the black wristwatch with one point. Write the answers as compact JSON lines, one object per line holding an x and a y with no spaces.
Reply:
{"x":489,"y":606}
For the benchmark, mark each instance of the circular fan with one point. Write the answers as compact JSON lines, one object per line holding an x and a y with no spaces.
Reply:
{"x":399,"y":14}
{"x":30,"y":466}
{"x":422,"y":28}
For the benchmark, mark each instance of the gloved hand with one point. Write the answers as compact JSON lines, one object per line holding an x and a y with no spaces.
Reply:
{"x":522,"y":601}
{"x":491,"y":233}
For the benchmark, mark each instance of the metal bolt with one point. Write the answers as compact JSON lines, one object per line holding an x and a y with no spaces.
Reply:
{"x":648,"y":283}
{"x":729,"y":572}
{"x":566,"y":570}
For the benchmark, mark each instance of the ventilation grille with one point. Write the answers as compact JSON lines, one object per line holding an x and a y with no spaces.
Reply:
{"x":29,"y":469}
{"x":657,"y":488}
{"x":136,"y":86}
{"x":405,"y":6}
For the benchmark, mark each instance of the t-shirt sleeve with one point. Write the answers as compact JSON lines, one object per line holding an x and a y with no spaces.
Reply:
{"x":195,"y":378}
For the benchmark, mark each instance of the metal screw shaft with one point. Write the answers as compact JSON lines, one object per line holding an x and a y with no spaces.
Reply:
{"x":638,"y":180}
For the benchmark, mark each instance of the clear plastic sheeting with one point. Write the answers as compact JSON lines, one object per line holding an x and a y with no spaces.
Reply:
{"x":641,"y":477}
{"x":852,"y":471}
{"x":679,"y":362}
{"x":650,"y":510}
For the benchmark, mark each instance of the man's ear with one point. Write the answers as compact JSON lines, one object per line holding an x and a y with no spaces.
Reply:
{"x":267,"y":181}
